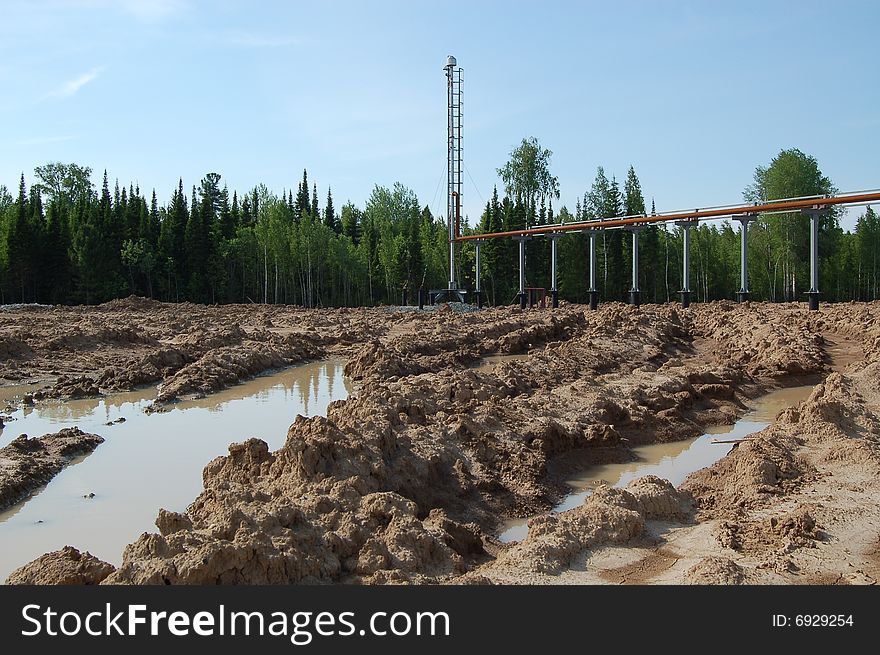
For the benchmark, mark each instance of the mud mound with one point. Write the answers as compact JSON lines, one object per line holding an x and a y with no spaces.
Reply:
{"x":762,"y":339}
{"x":147,"y":369}
{"x":227,"y":365}
{"x":67,"y":566}
{"x":27,"y":464}
{"x":319,"y":509}
{"x":755,"y":469}
{"x":79,"y":339}
{"x":374,"y":359}
{"x":132,"y":304}
{"x":608,"y":516}
{"x":12,"y":347}
{"x":69,"y":387}
{"x":717,"y":571}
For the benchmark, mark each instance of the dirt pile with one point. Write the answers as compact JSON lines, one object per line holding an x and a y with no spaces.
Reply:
{"x":79,"y":352}
{"x":608,"y":516}
{"x":26,"y":463}
{"x":783,"y":492}
{"x":318,"y":509}
{"x":403,"y":481}
{"x":67,"y":566}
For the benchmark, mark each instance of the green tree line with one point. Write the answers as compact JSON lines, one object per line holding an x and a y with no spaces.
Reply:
{"x":779,"y":265}
{"x":63,"y":241}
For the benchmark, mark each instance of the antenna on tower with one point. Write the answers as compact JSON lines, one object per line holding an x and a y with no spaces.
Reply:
{"x":454,"y":161}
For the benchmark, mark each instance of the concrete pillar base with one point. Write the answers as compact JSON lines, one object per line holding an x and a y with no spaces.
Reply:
{"x":813,"y":299}
{"x":742,"y":296}
{"x":635,"y":298}
{"x":685,"y":298}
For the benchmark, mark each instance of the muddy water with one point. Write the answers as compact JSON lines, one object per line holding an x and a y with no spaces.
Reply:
{"x":671,"y":461}
{"x":149,"y":461}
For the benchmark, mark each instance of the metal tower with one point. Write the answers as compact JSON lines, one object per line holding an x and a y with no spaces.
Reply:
{"x":454,"y":160}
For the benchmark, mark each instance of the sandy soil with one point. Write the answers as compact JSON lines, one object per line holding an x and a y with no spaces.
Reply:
{"x":407,"y":480}
{"x":26,"y":464}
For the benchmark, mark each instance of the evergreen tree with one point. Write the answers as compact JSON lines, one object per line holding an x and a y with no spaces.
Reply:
{"x":18,"y":240}
{"x":302,"y":203}
{"x":351,"y":222}
{"x":330,"y":219}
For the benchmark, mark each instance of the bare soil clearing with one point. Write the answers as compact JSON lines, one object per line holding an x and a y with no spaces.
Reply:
{"x":407,"y":480}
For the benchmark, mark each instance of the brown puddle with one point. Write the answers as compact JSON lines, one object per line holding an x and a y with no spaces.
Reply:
{"x":672,"y":461}
{"x":150,"y":461}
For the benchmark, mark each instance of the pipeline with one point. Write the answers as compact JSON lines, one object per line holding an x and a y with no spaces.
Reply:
{"x":696,"y":215}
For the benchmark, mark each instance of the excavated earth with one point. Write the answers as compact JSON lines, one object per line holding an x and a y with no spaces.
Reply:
{"x":26,"y":464}
{"x":408,"y":479}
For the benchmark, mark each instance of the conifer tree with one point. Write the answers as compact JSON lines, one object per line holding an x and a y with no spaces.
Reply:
{"x":330,"y":219}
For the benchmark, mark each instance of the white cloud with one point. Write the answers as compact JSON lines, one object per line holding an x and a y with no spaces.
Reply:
{"x":70,"y":87}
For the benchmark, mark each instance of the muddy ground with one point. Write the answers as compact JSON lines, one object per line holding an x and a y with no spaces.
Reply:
{"x":408,"y":479}
{"x":26,"y":463}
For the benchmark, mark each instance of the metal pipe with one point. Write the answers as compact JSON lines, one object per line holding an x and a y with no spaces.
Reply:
{"x":813,"y":293}
{"x":814,"y":251}
{"x":554,"y":292}
{"x":477,"y":264}
{"x":592,"y":234}
{"x":686,"y":259}
{"x":522,"y":271}
{"x":593,"y":292}
{"x":734,"y":212}
{"x":477,"y":274}
{"x":743,"y":294}
{"x":635,"y":260}
{"x":634,"y":292}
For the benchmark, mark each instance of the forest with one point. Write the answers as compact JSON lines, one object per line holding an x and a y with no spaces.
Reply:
{"x":64,"y":242}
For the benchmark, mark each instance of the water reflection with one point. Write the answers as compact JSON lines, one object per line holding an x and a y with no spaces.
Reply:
{"x":671,"y":461}
{"x":150,"y":460}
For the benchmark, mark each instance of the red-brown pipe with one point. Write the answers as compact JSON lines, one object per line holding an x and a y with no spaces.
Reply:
{"x":683,"y":216}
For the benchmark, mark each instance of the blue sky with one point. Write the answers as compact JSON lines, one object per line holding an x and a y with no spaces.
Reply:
{"x":693,"y":94}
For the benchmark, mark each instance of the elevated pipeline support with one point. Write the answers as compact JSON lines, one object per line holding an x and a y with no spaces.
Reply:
{"x":685,"y":261}
{"x":522,"y":269}
{"x":478,"y":291}
{"x":815,"y":214}
{"x":743,"y":294}
{"x":593,"y":292}
{"x":733,"y":212}
{"x":635,"y":294}
{"x":554,"y":292}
